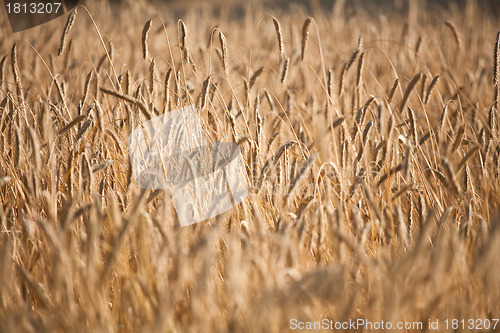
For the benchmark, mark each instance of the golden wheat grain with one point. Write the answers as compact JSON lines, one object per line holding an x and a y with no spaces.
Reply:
{"x":144,"y":39}
{"x":305,"y":37}
{"x":92,"y":235}
{"x":423,"y":85}
{"x":451,"y":178}
{"x":126,"y":83}
{"x":329,"y":85}
{"x":234,"y":127}
{"x":166,"y":92}
{"x":86,"y":86}
{"x":72,"y":124}
{"x":366,"y":132}
{"x":36,"y":150}
{"x":177,"y":89}
{"x":369,"y":102}
{"x":496,"y":61}
{"x":67,"y":29}
{"x":422,"y":209}
{"x":101,"y":166}
{"x":223,"y":45}
{"x":2,"y":68}
{"x":67,"y":55}
{"x":259,"y":123}
{"x":284,"y":70}
{"x":16,"y":72}
{"x":140,"y":104}
{"x":454,"y":31}
{"x":358,"y":119}
{"x":98,"y":117}
{"x":152,"y":77}
{"x":467,"y":179}
{"x":60,"y":91}
{"x":111,"y":51}
{"x":409,"y":89}
{"x":269,"y":99}
{"x":442,"y":119}
{"x":391,"y":172}
{"x":360,"y":69}
{"x":430,"y":89}
{"x":85,"y":126}
{"x":202,"y":97}
{"x":300,"y":176}
{"x":458,"y":139}
{"x":496,"y":162}
{"x":390,"y":94}
{"x":279,"y":36}
{"x":183,"y":41}
{"x":467,"y":156}
{"x":356,"y":52}
{"x":338,"y":122}
{"x":101,"y":62}
{"x":418,"y":45}
{"x":492,"y":121}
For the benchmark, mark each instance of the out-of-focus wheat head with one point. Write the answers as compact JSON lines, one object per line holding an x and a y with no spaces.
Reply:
{"x":369,"y":138}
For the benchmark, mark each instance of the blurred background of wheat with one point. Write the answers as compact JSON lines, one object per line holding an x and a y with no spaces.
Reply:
{"x":373,"y":163}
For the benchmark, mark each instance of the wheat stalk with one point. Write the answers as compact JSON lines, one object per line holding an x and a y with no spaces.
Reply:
{"x":168,"y":76}
{"x":452,"y":183}
{"x":467,"y":179}
{"x":329,"y":85}
{"x":279,"y":36}
{"x":16,"y":73}
{"x":72,"y":124}
{"x":442,"y":119}
{"x":259,"y":123}
{"x":360,"y":69}
{"x":284,"y":70}
{"x":305,"y":37}
{"x":202,"y":99}
{"x":408,"y":90}
{"x":454,"y":31}
{"x":390,"y":94}
{"x":492,"y":120}
{"x":183,"y":45}
{"x":86,"y":86}
{"x":68,"y":54}
{"x":140,"y":104}
{"x":144,"y":40}
{"x":458,"y":139}
{"x":430,"y":89}
{"x":177,"y":89}
{"x":423,"y":85}
{"x":127,"y":83}
{"x":2,"y":68}
{"x":496,"y":61}
{"x":67,"y":29}
{"x":152,"y":77}
{"x":418,"y":45}
{"x":223,"y":44}
{"x":467,"y":157}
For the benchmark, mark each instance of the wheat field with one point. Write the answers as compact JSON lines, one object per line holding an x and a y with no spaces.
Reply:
{"x":370,"y":138}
